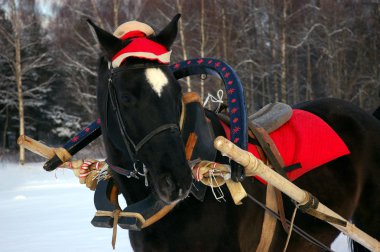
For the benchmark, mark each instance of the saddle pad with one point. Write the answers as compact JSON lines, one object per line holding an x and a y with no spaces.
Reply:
{"x":305,"y":139}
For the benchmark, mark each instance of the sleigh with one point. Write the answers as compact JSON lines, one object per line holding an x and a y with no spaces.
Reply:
{"x":137,"y":216}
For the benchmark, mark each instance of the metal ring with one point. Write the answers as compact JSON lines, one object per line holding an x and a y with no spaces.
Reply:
{"x":136,"y":168}
{"x":204,"y":76}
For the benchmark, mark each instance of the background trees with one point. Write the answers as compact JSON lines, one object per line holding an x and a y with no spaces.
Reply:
{"x":27,"y":71}
{"x":283,"y":50}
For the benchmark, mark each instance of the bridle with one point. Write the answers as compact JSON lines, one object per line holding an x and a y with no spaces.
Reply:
{"x":132,"y":148}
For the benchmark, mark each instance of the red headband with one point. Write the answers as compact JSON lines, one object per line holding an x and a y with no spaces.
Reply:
{"x":141,"y":47}
{"x":132,"y":34}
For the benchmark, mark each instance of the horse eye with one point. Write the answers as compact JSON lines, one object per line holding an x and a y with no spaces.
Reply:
{"x":127,"y":99}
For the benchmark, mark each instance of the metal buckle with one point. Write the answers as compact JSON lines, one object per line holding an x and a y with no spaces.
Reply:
{"x":142,"y":174}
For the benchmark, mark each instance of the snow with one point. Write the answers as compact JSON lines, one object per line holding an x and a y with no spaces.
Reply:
{"x":42,"y":211}
{"x":50,"y":211}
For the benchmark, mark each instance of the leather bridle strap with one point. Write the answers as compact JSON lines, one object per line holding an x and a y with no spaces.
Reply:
{"x":170,"y":126}
{"x":115,"y":105}
{"x":128,"y":142}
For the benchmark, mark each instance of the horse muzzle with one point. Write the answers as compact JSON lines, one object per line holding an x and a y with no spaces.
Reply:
{"x":171,"y":190}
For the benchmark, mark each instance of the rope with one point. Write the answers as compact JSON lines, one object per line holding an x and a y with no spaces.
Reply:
{"x":116,"y":214}
{"x":218,"y":99}
{"x":62,"y":154}
{"x":290,"y":229}
{"x":310,"y":206}
{"x":215,"y":190}
{"x":103,"y":174}
{"x":103,"y":213}
{"x":296,"y":229}
{"x":84,"y":168}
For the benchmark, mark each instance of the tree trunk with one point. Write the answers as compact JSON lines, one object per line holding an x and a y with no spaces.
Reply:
{"x":309,"y":93}
{"x":283,"y":54}
{"x":272,"y":33}
{"x":338,"y":76}
{"x":97,"y":15}
{"x":224,"y":32}
{"x":263,"y":91}
{"x":183,"y":41}
{"x":296,"y":90}
{"x":6,"y":124}
{"x":202,"y":51}
{"x":116,"y":7}
{"x":18,"y":75}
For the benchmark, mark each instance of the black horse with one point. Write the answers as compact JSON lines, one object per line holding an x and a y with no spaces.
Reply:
{"x":140,"y":106}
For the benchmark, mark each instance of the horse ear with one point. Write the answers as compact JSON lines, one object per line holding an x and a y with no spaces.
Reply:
{"x":108,"y":42}
{"x":167,"y":36}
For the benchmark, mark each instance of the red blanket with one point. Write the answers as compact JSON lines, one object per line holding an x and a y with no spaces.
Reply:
{"x":305,"y":139}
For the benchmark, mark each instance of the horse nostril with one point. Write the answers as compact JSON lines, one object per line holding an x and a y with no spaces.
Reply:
{"x":169,"y":189}
{"x":168,"y":184}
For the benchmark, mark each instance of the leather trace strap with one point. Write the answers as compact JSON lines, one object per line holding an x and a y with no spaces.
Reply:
{"x":272,"y":154}
{"x":131,"y":146}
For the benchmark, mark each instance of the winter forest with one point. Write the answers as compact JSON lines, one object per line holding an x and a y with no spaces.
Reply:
{"x":283,"y":50}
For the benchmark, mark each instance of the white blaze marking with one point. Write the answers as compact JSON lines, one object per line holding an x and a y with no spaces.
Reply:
{"x":156,"y":79}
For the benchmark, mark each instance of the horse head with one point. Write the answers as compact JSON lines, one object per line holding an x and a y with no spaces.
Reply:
{"x":140,"y":102}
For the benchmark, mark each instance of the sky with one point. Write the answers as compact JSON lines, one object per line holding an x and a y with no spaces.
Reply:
{"x":45,"y":6}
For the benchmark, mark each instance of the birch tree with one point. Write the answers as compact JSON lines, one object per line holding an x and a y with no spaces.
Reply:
{"x":203,"y":42}
{"x":181,"y":31}
{"x":284,"y":52}
{"x":15,"y":41}
{"x":27,"y":62}
{"x":8,"y":101}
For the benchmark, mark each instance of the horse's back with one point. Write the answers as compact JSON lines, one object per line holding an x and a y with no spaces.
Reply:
{"x":357,"y":128}
{"x":352,"y":178}
{"x":344,"y":117}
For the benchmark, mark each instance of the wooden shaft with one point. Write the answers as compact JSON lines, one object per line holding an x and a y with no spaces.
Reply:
{"x":43,"y":150}
{"x":36,"y":147}
{"x":255,"y":167}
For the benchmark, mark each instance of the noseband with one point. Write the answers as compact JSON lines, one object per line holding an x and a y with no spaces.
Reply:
{"x":131,"y":146}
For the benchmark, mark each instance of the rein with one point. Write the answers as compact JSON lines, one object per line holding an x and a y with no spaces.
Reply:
{"x":296,"y":229}
{"x":131,"y":146}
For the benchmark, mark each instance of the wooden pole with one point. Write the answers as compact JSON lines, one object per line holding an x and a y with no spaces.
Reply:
{"x":255,"y":167}
{"x":83,"y":172}
{"x":36,"y":147}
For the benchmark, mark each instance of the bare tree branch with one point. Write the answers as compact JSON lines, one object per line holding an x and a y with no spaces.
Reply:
{"x":79,"y":64}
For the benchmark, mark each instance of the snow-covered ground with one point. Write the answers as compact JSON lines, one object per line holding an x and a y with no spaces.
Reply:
{"x":50,"y":211}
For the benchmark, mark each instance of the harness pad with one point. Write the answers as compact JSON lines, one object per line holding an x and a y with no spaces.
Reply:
{"x":305,"y":139}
